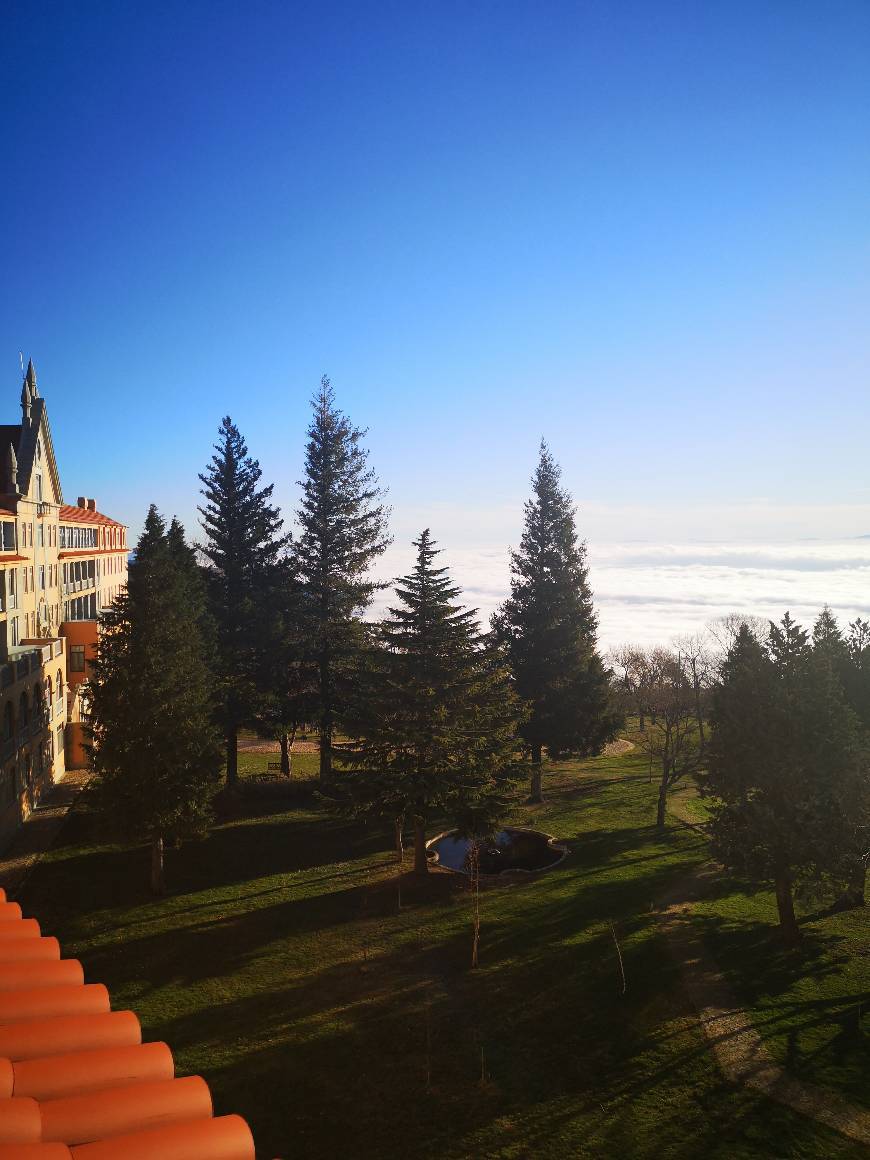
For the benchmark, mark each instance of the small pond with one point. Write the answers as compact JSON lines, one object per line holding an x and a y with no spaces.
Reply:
{"x":507,"y":850}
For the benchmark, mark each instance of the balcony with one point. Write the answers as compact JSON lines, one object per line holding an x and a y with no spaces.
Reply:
{"x":83,"y":585}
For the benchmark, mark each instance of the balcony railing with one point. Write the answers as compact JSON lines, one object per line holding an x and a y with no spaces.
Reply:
{"x":83,"y":585}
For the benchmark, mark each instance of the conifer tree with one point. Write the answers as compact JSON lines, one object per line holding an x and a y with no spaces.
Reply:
{"x":438,"y":730}
{"x":785,"y":765}
{"x":549,"y":627}
{"x":343,"y":530}
{"x":849,"y":657}
{"x":153,"y":745}
{"x":243,"y":545}
{"x":288,"y":675}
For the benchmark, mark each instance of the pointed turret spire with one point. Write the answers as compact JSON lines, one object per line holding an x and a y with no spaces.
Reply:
{"x":30,"y":379}
{"x":26,"y":400}
{"x":12,"y":469}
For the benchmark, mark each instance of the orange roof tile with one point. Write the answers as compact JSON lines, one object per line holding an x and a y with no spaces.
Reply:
{"x":65,"y":552}
{"x":76,"y":1080}
{"x":76,"y":515}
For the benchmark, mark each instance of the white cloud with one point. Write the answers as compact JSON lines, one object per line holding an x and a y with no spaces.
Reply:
{"x":649,"y":592}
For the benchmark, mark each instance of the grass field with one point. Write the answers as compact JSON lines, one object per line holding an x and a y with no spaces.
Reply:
{"x":333,"y":1005}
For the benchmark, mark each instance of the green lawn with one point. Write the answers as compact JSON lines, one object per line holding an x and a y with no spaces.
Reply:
{"x":341,"y":1018}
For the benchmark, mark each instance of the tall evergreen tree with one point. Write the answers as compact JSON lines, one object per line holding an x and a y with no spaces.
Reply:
{"x":849,"y":657}
{"x":288,"y":675}
{"x":153,"y":745}
{"x":438,"y":730}
{"x":343,"y":530}
{"x":549,"y":627}
{"x":243,"y":545}
{"x":785,"y":765}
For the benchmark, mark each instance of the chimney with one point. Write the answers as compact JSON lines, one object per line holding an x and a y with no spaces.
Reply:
{"x":82,"y":502}
{"x":92,"y":505}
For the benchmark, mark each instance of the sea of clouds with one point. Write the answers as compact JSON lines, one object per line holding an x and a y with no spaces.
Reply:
{"x":648,"y":592}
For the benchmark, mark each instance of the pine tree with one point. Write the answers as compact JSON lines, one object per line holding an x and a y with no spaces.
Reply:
{"x":343,"y":530}
{"x":152,"y":741}
{"x":549,"y":627}
{"x":243,"y":545}
{"x":785,"y":765}
{"x":288,"y":675}
{"x":438,"y":732}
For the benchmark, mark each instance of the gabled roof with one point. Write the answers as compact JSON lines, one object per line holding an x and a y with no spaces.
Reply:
{"x":26,"y":449}
{"x":76,"y":1081}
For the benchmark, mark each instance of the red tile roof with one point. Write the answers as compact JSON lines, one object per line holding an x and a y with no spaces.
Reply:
{"x":65,"y":552}
{"x":76,"y":515}
{"x":76,"y":1080}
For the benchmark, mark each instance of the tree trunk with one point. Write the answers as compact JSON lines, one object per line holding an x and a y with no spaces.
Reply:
{"x":158,"y":880}
{"x":642,"y":722}
{"x":663,"y":796}
{"x":785,"y":906}
{"x":854,"y":894}
{"x":326,"y":748}
{"x":286,"y":750}
{"x":232,"y":756}
{"x":400,"y":846}
{"x":421,"y":862}
{"x":536,"y":796}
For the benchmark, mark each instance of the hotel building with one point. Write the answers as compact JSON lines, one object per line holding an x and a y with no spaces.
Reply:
{"x":60,"y":565}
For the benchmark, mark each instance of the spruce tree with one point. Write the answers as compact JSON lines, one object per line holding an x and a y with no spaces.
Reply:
{"x":153,"y":745}
{"x":242,"y":547}
{"x":849,"y":655}
{"x":288,"y":675}
{"x":785,"y":766}
{"x":437,"y":735}
{"x":343,"y":530}
{"x":549,"y":627}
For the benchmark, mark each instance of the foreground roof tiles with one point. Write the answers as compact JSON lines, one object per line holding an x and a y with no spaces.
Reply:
{"x":76,"y":1080}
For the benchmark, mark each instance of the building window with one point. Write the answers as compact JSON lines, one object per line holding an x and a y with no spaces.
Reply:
{"x":77,"y":658}
{"x":39,"y":489}
{"x":15,"y":630}
{"x":60,"y":739}
{"x":40,"y":534}
{"x":42,"y":575}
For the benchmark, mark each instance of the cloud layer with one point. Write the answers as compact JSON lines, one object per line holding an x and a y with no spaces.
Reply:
{"x":649,"y":592}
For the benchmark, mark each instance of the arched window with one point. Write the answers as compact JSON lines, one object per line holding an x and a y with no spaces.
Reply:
{"x":8,"y":721}
{"x":37,"y":702}
{"x":23,"y":710}
{"x":48,"y":691}
{"x":59,"y":683}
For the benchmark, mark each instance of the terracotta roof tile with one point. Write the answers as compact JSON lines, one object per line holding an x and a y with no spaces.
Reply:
{"x":76,"y":1081}
{"x":76,"y":515}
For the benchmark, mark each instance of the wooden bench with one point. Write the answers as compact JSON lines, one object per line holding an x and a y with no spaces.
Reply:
{"x":265,"y":777}
{"x":273,"y":766}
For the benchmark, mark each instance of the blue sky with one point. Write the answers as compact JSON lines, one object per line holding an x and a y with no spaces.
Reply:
{"x":640,"y":229}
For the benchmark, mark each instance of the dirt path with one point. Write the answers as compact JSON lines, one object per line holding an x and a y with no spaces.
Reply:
{"x":39,"y":832}
{"x":738,"y":1048}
